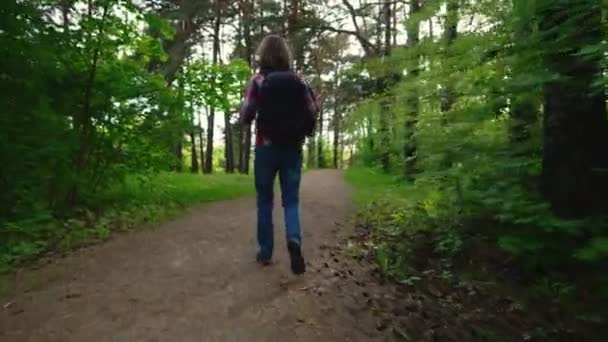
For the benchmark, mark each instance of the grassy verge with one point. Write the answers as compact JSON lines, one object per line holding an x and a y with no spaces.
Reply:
{"x":182,"y":188}
{"x":372,"y":185}
{"x":138,"y":201}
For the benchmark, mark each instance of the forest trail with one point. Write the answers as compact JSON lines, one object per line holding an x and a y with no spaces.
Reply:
{"x":192,"y":279}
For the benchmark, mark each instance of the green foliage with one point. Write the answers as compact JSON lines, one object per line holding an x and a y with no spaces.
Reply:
{"x":80,"y":108}
{"x":481,"y":158}
{"x":88,"y":126}
{"x":132,"y":202}
{"x":555,"y":290}
{"x":597,"y":249}
{"x":216,"y":85}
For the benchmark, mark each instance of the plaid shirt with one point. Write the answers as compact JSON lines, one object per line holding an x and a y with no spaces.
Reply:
{"x":251,"y":103}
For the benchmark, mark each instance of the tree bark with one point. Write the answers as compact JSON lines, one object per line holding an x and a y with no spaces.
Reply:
{"x":194,"y":156}
{"x":177,"y":47}
{"x":211,"y":116}
{"x":337,"y":125}
{"x":320,"y":155}
{"x":66,"y":8}
{"x":450,"y":35}
{"x":394,"y":29}
{"x":412,"y":101}
{"x":292,"y":34}
{"x":366,"y":45}
{"x":385,"y":102}
{"x":310,"y":159}
{"x":574,"y":161}
{"x":228,"y":145}
{"x":176,"y":117}
{"x":84,"y":124}
{"x":201,"y":141}
{"x":247,"y":8}
{"x":210,"y":131}
{"x":524,"y":109}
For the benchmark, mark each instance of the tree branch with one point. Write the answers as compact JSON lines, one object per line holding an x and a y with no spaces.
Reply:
{"x":367,"y":46}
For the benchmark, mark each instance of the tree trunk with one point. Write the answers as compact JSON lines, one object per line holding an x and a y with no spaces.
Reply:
{"x":211,"y":116}
{"x":412,"y":101}
{"x":320,"y":155}
{"x":84,"y":124}
{"x":261,"y":21}
{"x":575,"y":124}
{"x":210,"y":130}
{"x":388,"y":29}
{"x":177,"y":47}
{"x":385,"y":139}
{"x":247,"y":8}
{"x":524,"y":109}
{"x":395,"y":30}
{"x":245,"y":150}
{"x":310,"y":160}
{"x":179,"y":157}
{"x":228,"y":148}
{"x":292,"y":34}
{"x":385,"y":102}
{"x":337,"y":122}
{"x":66,"y":8}
{"x":450,"y":35}
{"x":292,"y":18}
{"x":201,"y":141}
{"x":249,"y":48}
{"x":177,"y":116}
{"x":194,"y":156}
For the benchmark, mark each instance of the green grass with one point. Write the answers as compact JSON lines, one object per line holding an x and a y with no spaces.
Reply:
{"x":134,"y":203}
{"x":182,"y":188}
{"x":372,"y":184}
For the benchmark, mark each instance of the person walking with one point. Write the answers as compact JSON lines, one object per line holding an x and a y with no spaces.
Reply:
{"x":284,"y":108}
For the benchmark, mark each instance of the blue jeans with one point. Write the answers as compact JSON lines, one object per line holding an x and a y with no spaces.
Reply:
{"x":287,"y":161}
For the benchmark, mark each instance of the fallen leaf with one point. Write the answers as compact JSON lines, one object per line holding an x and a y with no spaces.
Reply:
{"x":401,"y":334}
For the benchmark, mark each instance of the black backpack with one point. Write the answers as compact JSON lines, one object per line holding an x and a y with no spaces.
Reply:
{"x":283,"y":114}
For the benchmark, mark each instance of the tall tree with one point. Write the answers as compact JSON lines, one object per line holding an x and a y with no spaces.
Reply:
{"x":320,"y":141}
{"x":385,"y":101}
{"x":337,"y":125}
{"x":187,"y":17}
{"x":211,"y":115}
{"x":317,"y":64}
{"x":201,"y":141}
{"x":84,"y":124}
{"x":525,"y":101}
{"x":575,"y":135}
{"x":247,"y":9}
{"x":228,"y":143}
{"x":293,"y":20}
{"x":450,"y":34}
{"x":412,"y":101}
{"x":193,"y":129}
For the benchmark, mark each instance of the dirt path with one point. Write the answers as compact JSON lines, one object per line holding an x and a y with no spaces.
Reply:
{"x":193,"y":279}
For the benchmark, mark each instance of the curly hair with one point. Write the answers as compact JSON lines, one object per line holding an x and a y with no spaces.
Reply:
{"x":273,"y":53}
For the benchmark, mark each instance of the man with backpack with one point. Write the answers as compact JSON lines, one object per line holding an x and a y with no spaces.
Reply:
{"x":285,"y":110}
